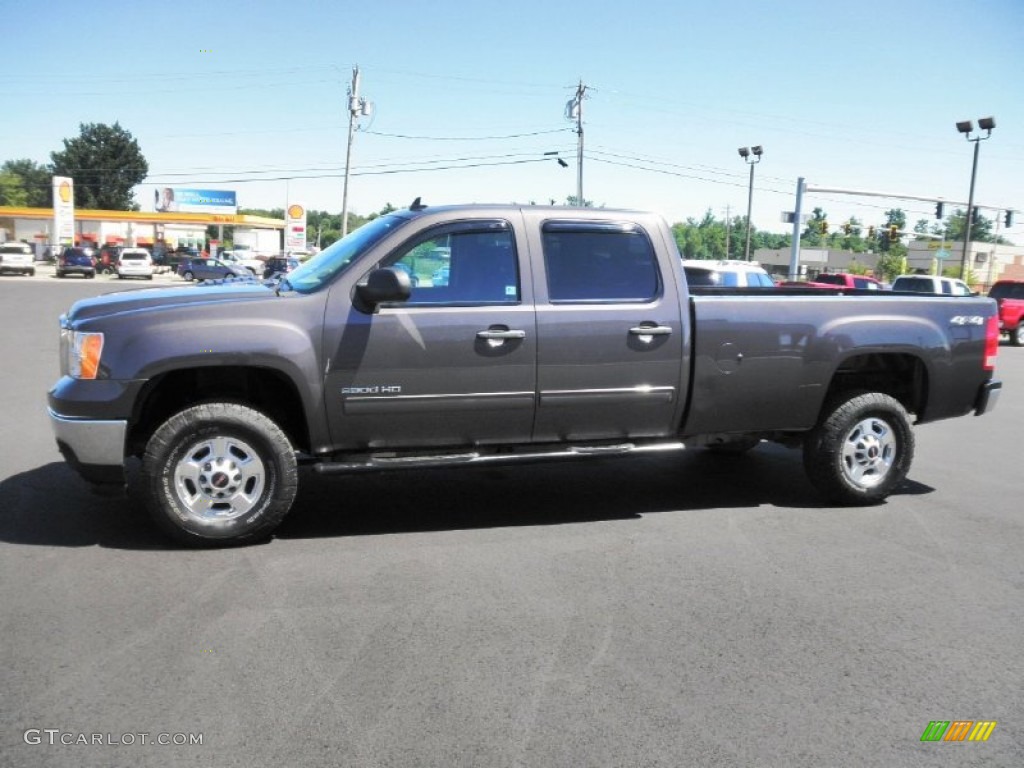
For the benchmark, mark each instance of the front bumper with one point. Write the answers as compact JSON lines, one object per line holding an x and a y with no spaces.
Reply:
{"x":988,"y":397}
{"x":93,"y":447}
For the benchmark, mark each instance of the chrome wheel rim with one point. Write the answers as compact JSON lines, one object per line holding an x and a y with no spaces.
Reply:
{"x":219,"y":479}
{"x":869,"y":451}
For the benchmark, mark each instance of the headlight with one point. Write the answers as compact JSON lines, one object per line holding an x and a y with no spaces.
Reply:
{"x":81,"y":353}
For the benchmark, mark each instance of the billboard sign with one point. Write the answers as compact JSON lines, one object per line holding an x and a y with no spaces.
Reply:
{"x":295,"y":227}
{"x":186,"y":200}
{"x":63,"y":210}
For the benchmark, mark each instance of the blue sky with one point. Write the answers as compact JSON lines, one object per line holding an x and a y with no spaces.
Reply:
{"x":222,"y":94}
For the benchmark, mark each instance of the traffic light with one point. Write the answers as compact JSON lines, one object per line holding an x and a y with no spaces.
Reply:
{"x":893,"y":232}
{"x":824,"y":227}
{"x":847,"y":227}
{"x":871,"y":232}
{"x":1008,"y":220}
{"x":938,"y":210}
{"x":975,"y":216}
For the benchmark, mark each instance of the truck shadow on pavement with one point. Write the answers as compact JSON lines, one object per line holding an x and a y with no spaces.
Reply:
{"x":51,"y":506}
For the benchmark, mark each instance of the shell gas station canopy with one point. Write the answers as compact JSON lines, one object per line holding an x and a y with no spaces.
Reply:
{"x":20,"y":217}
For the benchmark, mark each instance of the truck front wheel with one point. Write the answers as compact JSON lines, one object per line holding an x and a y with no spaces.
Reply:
{"x":862,"y":449}
{"x":219,"y":473}
{"x":1017,"y":334}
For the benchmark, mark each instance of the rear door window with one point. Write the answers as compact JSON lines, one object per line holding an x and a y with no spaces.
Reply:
{"x":599,"y":262}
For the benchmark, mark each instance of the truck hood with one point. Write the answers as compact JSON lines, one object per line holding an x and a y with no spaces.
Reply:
{"x":162,"y":299}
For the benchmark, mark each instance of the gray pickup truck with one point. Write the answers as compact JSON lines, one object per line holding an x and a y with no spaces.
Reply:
{"x":473,"y":334}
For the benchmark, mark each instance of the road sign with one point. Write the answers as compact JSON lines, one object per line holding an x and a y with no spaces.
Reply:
{"x":942,"y":253}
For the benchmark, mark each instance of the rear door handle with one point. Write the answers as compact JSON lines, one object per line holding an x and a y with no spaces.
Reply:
{"x":651,"y":330}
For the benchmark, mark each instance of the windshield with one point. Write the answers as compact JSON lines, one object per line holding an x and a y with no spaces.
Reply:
{"x":1007,"y":291}
{"x":917,"y":284}
{"x":335,"y":258}
{"x":830,"y":279}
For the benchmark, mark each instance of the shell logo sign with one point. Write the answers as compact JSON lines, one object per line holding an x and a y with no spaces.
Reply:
{"x":63,"y":210}
{"x":295,"y":228}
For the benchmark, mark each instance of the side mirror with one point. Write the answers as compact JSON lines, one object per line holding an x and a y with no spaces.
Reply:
{"x":383,"y":285}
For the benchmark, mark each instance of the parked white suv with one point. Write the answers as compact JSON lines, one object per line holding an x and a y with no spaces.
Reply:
{"x":17,"y":257}
{"x":134,"y":262}
{"x":947,"y":286}
{"x":726,"y":273}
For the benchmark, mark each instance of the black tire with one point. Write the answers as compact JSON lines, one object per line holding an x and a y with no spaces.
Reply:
{"x":90,"y":275}
{"x":189,"y":277}
{"x":219,"y":474}
{"x":1017,"y":335}
{"x":862,"y":449}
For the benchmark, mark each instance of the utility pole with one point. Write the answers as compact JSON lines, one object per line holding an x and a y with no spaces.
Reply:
{"x":357,"y":107}
{"x":794,"y":253}
{"x":727,"y":231}
{"x":574,"y":111}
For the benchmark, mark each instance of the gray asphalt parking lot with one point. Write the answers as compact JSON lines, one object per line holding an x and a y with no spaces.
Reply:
{"x":669,"y":611}
{"x":45,"y":271}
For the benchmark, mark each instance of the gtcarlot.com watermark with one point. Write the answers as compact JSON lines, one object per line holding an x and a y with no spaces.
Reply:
{"x":56,"y":737}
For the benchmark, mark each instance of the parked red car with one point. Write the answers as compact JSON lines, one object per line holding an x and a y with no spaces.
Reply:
{"x":839,"y":280}
{"x":1009,"y":295}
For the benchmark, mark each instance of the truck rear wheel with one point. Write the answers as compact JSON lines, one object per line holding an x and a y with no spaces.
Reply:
{"x":862,"y":449}
{"x":219,"y":473}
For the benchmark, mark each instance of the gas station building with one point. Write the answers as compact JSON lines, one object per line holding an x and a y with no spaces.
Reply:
{"x":130,"y":228}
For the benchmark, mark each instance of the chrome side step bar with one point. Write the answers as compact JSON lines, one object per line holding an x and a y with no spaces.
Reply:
{"x":386,"y":461}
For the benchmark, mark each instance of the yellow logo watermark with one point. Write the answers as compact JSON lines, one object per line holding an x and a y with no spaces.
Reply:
{"x":958,"y":730}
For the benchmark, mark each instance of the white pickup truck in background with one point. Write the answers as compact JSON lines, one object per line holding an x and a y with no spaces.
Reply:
{"x":244,"y":256}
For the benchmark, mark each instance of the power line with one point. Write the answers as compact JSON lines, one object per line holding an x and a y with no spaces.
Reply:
{"x":463,"y":138}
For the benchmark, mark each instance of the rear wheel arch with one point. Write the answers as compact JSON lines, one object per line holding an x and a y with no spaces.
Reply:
{"x":901,"y":376}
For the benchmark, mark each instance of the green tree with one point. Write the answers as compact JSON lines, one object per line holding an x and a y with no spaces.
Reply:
{"x":812,"y":234}
{"x":36,"y":180}
{"x":12,"y":189}
{"x":981,"y":231}
{"x":571,"y":201}
{"x":106,"y":163}
{"x":891,"y":264}
{"x":388,"y":208}
{"x":894,"y":217}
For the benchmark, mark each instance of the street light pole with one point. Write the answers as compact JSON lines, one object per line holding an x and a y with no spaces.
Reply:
{"x":965,"y":127}
{"x":751,"y":156}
